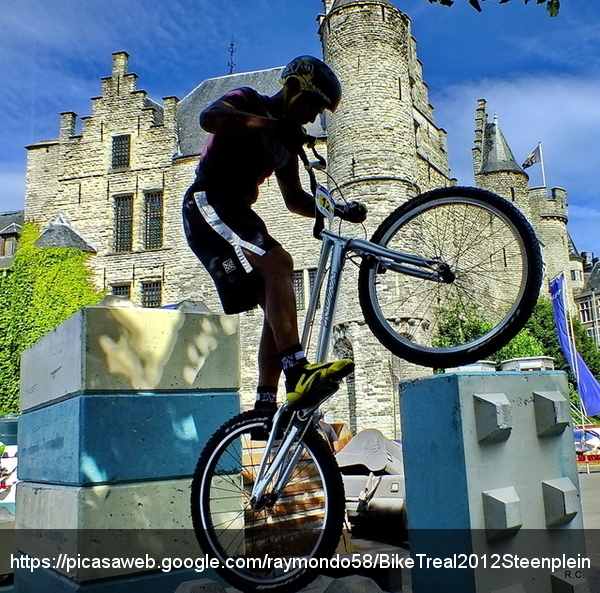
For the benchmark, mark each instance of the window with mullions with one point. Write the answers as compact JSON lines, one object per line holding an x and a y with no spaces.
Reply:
{"x":302,"y":288}
{"x":124,"y":223}
{"x":585,"y":311}
{"x":299,"y":288}
{"x":152,"y":294}
{"x":121,"y":151}
{"x":121,"y":290}
{"x":8,"y":246}
{"x":153,"y":210}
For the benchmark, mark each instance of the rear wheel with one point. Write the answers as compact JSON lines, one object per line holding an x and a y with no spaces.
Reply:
{"x":494,"y":273}
{"x":270,"y":548}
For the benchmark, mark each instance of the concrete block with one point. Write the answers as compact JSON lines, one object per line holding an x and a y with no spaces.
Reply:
{"x":561,"y":501}
{"x":493,"y":417}
{"x":552,"y":412}
{"x":7,"y":541}
{"x":200,"y":586}
{"x":118,"y":349}
{"x":481,"y":489}
{"x":161,"y":504}
{"x":50,"y":581}
{"x":149,"y":519}
{"x":112,"y":438}
{"x":502,"y":512}
{"x":512,"y":589}
{"x":571,"y":584}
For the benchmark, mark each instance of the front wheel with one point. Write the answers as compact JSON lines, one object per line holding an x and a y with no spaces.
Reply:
{"x":493,"y":277}
{"x":269,"y":549}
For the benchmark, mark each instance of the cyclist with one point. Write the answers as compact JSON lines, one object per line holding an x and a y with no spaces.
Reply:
{"x":252,"y":136}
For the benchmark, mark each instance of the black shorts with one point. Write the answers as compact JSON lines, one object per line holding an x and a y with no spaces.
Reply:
{"x":218,"y":231}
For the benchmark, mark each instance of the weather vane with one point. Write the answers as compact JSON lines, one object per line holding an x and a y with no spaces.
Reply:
{"x":231,"y":63}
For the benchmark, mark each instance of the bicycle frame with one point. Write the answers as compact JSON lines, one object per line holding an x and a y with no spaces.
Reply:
{"x":334,"y":249}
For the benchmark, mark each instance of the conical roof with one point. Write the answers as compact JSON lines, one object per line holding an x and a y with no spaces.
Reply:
{"x":497,"y":155}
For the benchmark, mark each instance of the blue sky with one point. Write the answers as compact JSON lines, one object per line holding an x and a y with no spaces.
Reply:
{"x":540,"y":75}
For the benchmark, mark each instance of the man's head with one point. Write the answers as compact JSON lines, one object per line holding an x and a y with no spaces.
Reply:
{"x":310,"y":87}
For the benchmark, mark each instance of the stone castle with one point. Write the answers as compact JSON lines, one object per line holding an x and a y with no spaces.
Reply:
{"x":115,"y":180}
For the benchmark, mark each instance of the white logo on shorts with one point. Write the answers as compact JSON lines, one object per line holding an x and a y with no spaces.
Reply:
{"x":229,"y":266}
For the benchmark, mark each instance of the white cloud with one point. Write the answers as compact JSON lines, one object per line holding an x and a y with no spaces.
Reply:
{"x":560,"y":111}
{"x":12,"y":190}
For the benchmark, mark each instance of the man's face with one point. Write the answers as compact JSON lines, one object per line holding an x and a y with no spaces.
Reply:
{"x":306,"y":108}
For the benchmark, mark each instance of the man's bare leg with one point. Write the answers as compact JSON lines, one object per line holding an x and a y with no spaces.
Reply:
{"x":304,"y":382}
{"x":276,"y":269}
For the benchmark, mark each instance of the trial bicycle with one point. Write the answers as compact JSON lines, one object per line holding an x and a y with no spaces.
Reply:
{"x":448,"y":278}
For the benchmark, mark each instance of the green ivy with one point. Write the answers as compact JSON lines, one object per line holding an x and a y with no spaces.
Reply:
{"x":43,"y":288}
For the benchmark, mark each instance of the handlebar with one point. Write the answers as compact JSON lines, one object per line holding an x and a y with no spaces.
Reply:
{"x":320,"y":164}
{"x":350,"y":211}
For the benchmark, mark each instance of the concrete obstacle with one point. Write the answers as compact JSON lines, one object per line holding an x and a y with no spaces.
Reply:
{"x":117,"y":404}
{"x":492,"y":490}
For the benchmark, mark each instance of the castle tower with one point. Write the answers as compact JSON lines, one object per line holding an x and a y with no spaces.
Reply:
{"x":383,"y":146}
{"x":497,"y":170}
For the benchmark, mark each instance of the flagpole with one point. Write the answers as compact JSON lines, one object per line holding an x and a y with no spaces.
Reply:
{"x":542,"y":164}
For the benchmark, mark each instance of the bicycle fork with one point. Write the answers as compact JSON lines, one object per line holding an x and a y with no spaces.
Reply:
{"x":279,"y":471}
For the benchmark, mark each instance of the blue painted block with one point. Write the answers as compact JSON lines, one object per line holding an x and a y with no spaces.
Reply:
{"x":108,"y":439}
{"x":432,"y":430}
{"x":490,"y":470}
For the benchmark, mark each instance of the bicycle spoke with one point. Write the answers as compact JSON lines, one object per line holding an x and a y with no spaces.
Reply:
{"x":482,"y":247}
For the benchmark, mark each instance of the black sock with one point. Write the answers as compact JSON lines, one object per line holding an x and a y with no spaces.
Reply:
{"x":266,"y":395}
{"x":293,"y":360}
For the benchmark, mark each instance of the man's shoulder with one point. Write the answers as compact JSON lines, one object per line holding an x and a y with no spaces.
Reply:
{"x":245,"y":93}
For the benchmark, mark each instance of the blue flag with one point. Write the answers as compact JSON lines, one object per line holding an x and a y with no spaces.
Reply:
{"x":589,"y":389}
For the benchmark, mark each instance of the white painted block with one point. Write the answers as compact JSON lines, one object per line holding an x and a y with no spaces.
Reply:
{"x":126,"y":349}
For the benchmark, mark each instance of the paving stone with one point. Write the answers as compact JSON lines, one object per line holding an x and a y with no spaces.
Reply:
{"x":353,"y":584}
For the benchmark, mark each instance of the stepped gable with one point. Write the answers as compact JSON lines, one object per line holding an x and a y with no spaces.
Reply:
{"x":192,"y":137}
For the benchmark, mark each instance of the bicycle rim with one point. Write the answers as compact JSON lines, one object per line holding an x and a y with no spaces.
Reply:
{"x":493,"y":254}
{"x":268,"y":549}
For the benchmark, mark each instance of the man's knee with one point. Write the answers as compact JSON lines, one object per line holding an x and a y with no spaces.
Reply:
{"x":283,"y":260}
{"x":277,"y":261}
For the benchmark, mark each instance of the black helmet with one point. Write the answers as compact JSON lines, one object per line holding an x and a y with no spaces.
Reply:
{"x":314,"y":76}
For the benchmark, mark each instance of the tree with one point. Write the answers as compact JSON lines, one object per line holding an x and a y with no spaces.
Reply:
{"x":463,"y":322}
{"x":43,"y":288}
{"x":552,"y":6}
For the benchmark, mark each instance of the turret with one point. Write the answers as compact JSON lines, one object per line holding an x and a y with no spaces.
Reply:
{"x":494,"y":164}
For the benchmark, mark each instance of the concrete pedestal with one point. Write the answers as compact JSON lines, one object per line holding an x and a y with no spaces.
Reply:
{"x":117,"y":405}
{"x":491,"y":478}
